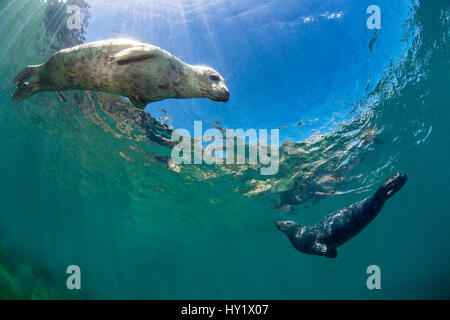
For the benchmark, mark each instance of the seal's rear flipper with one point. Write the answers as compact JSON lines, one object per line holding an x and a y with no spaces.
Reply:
{"x":26,"y":74}
{"x":24,"y":91}
{"x":26,"y":83}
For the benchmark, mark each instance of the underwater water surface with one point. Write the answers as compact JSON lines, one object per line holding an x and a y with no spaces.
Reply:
{"x":87,"y":179}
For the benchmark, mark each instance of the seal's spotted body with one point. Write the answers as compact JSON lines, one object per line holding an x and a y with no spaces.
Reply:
{"x":142,"y":72}
{"x":335,"y":229}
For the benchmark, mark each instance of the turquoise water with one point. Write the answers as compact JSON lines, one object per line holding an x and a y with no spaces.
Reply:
{"x":84,"y":182}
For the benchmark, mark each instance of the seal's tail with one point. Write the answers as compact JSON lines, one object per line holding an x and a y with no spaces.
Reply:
{"x":26,"y":83}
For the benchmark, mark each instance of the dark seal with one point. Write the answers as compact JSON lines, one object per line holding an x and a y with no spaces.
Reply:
{"x":335,"y":229}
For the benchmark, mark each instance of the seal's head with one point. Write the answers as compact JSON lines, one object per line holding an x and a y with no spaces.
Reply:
{"x":211,"y":84}
{"x":288,"y":227}
{"x":391,"y":186}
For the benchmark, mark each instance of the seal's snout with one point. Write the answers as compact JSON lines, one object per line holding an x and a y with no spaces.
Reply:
{"x":279,"y":225}
{"x":393,"y":184}
{"x":285,"y":225}
{"x":397,"y":181}
{"x":222,"y":96}
{"x":225,"y":96}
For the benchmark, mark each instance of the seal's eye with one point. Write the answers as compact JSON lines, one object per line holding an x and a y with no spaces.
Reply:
{"x":214,"y":78}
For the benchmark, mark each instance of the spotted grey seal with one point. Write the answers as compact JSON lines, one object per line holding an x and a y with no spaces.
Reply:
{"x":142,"y":72}
{"x":335,"y":229}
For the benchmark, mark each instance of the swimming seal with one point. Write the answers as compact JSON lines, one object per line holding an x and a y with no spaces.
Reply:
{"x":334,"y":230}
{"x":142,"y":72}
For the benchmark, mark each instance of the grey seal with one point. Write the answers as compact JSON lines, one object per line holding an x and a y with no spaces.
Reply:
{"x":337,"y":228}
{"x":142,"y":72}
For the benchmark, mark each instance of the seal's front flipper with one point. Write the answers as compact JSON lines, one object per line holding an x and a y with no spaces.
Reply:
{"x":138,"y":103}
{"x":134,"y":54}
{"x":323,"y":250}
{"x":331,"y":253}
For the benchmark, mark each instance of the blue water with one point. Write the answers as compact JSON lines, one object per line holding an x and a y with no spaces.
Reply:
{"x":86,"y":183}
